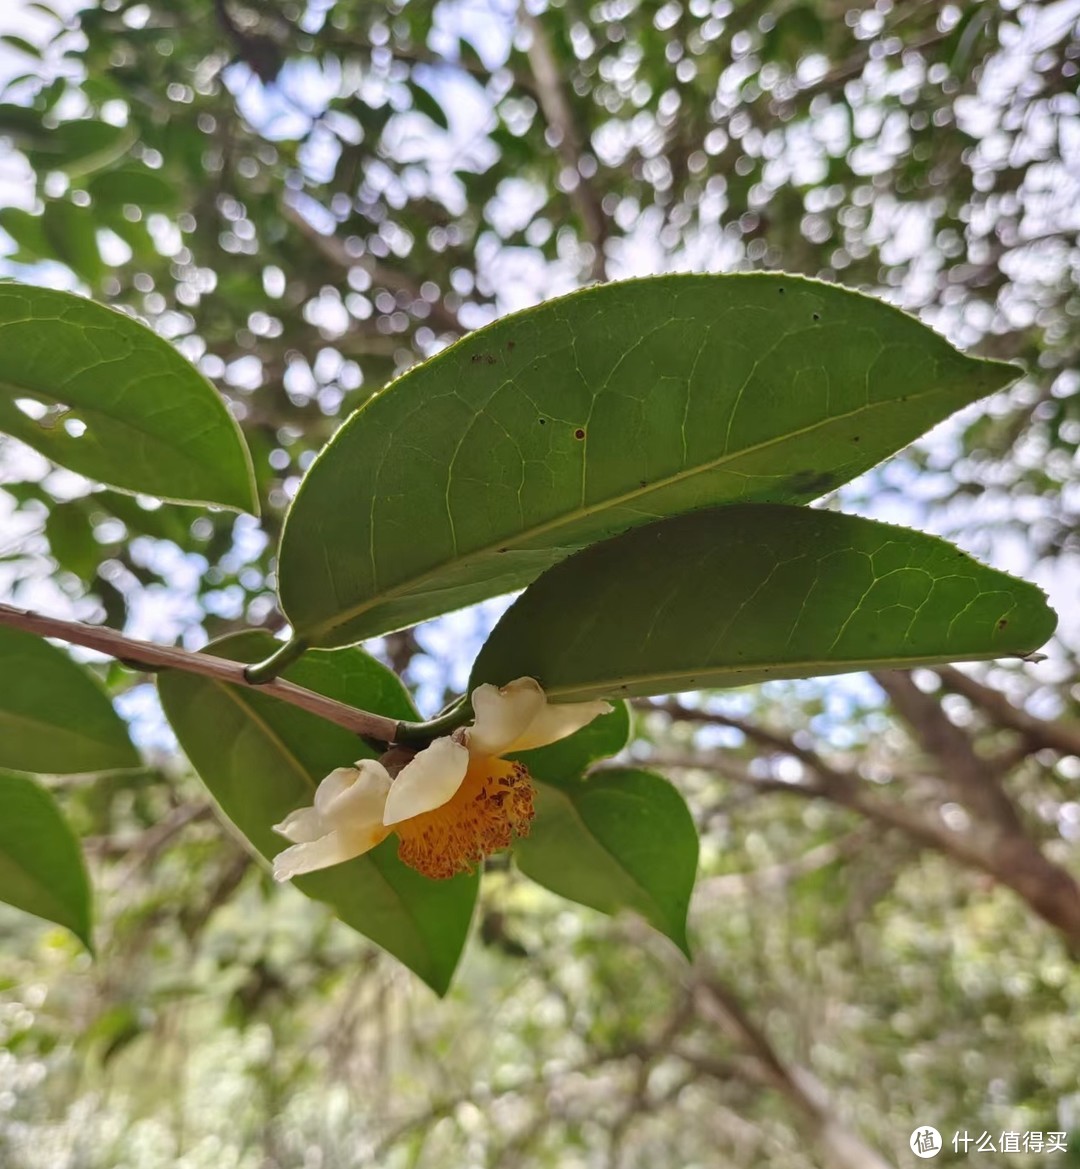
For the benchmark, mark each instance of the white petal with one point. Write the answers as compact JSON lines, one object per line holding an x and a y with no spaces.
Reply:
{"x":359,"y":803}
{"x":339,"y":780}
{"x":557,"y":720}
{"x":331,"y":849}
{"x":427,"y":782}
{"x":502,"y":716}
{"x":301,"y":826}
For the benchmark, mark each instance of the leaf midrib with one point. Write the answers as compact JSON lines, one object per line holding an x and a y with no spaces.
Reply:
{"x":406,"y":588}
{"x":77,"y":734}
{"x":699,"y":678}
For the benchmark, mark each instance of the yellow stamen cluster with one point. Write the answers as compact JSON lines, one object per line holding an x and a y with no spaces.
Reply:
{"x":493,"y":806}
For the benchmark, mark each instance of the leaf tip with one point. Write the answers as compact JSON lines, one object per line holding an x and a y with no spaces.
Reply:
{"x":1000,"y":374}
{"x":438,"y":983}
{"x":682,"y":941}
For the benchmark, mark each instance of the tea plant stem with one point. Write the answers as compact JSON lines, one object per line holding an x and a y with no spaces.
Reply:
{"x":144,"y":654}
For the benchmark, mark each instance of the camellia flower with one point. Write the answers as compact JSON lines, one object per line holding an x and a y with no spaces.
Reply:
{"x":452,"y":804}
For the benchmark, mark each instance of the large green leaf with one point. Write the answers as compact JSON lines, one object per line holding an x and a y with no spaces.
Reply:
{"x":623,"y":403}
{"x":28,"y":233}
{"x":71,"y":538}
{"x":80,"y":147}
{"x":615,"y":840}
{"x":71,"y":232}
{"x":41,"y":866}
{"x":262,"y":758}
{"x":741,"y":594}
{"x":110,"y":399}
{"x":133,"y":184}
{"x":54,"y":717}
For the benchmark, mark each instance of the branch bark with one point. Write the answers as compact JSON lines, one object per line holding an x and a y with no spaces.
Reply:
{"x":333,"y":249}
{"x":997,"y":843}
{"x":569,"y":144}
{"x":144,"y":653}
{"x":1058,"y":736}
{"x":844,"y":1149}
{"x":1009,"y":854}
{"x":970,"y":777}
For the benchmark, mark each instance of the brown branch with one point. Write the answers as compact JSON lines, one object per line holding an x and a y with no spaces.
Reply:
{"x":1058,"y":736}
{"x":144,"y":653}
{"x":420,"y":55}
{"x":847,"y":793}
{"x":149,"y":843}
{"x":1011,"y":858}
{"x":844,"y":1148}
{"x":261,"y":53}
{"x":755,"y":733}
{"x":783,"y":874}
{"x":853,"y":67}
{"x":971,"y":778}
{"x":334,"y":250}
{"x":997,"y":843}
{"x":1010,"y":855}
{"x":569,"y":146}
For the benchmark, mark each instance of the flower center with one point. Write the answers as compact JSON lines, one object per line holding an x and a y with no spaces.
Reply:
{"x":493,"y":805}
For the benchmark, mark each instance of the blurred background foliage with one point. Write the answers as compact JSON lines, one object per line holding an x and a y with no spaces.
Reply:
{"x":308,"y":197}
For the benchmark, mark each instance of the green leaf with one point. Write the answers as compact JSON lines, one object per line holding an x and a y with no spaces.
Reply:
{"x":603,"y":737}
{"x":21,"y":123}
{"x":27,"y":231}
{"x":469,"y":56}
{"x":567,"y":423}
{"x":44,"y":10}
{"x":115,"y":402}
{"x":71,"y":538}
{"x":83,"y":146}
{"x":742,"y":594}
{"x":54,"y":717}
{"x":425,"y":103}
{"x":262,"y":758}
{"x":137,"y":185}
{"x":71,"y":232}
{"x":22,"y":45}
{"x":797,"y":31}
{"x":618,"y":839}
{"x":171,"y":521}
{"x":41,"y":865}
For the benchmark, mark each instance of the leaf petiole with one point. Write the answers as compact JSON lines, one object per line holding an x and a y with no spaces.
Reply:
{"x":454,"y":716}
{"x":267,"y":670}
